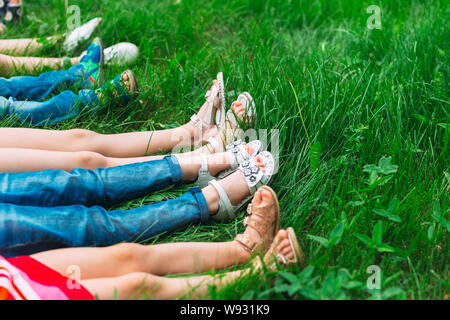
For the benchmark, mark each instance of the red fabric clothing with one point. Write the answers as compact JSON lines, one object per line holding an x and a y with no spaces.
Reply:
{"x":24,"y":278}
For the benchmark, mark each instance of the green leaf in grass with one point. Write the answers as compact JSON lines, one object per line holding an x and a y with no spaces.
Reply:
{"x":336,"y":234}
{"x":377,"y":234}
{"x":321,"y":240}
{"x":314,"y":155}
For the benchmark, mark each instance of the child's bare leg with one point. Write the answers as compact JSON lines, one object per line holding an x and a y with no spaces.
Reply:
{"x":161,"y":259}
{"x":31,"y":64}
{"x":138,"y":285}
{"x":26,"y":160}
{"x":122,"y":145}
{"x":24,"y":46}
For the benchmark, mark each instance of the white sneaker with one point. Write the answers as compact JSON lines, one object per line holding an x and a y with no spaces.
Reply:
{"x":123,"y":53}
{"x":81,"y":33}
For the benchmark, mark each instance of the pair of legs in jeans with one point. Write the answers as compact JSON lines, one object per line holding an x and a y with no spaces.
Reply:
{"x":53,"y":208}
{"x":23,"y":96}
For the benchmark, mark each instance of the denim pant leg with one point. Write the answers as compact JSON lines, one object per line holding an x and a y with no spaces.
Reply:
{"x":26,"y":230}
{"x":61,"y":107}
{"x":104,"y":187}
{"x":38,"y":88}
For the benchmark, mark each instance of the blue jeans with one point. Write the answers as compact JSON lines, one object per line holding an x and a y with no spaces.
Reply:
{"x":22,"y":96}
{"x":51,"y":209}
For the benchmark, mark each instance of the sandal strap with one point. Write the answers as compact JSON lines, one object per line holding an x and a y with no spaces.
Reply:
{"x":226,"y":209}
{"x":292,"y":247}
{"x":217,"y":146}
{"x":220,"y":114}
{"x":204,"y":177}
{"x":198,"y":123}
{"x":253,"y":174}
{"x":248,"y":243}
{"x":283,"y":259}
{"x":210,"y":97}
{"x":257,"y":218}
{"x":258,"y":221}
{"x":238,"y":152}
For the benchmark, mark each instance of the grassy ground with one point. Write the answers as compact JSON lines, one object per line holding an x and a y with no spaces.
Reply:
{"x":374,"y":190}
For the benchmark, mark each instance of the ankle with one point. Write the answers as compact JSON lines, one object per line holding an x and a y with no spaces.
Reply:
{"x":212,"y":199}
{"x":75,"y":61}
{"x":242,"y":254}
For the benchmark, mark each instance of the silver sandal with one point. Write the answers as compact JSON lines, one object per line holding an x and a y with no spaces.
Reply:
{"x":237,"y":154}
{"x":219,"y":118}
{"x":254,"y":177}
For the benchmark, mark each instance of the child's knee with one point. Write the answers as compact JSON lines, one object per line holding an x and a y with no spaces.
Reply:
{"x":90,"y":160}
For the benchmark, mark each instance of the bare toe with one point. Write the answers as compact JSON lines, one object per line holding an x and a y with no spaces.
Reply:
{"x":281,"y":235}
{"x":290,"y":255}
{"x":284,"y":244}
{"x":266,"y":197}
{"x":257,"y":199}
{"x":286,"y":251}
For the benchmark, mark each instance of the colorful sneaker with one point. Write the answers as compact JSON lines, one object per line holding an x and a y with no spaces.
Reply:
{"x":92,"y":62}
{"x":117,"y":88}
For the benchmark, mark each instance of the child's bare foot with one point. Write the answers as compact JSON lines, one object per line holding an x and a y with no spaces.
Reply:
{"x":225,"y":135}
{"x":284,"y":251}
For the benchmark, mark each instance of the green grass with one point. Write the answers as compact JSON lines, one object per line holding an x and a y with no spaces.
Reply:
{"x":377,"y":191}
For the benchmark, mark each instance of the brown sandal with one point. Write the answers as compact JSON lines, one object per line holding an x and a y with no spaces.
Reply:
{"x":271,"y":257}
{"x":261,"y":223}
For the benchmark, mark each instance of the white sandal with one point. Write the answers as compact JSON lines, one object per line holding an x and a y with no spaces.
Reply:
{"x":249,"y":104}
{"x":254,"y":177}
{"x":238,"y":155}
{"x":210,"y":96}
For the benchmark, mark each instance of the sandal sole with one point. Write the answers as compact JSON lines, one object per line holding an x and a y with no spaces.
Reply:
{"x":296,"y":246}
{"x":277,"y":205}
